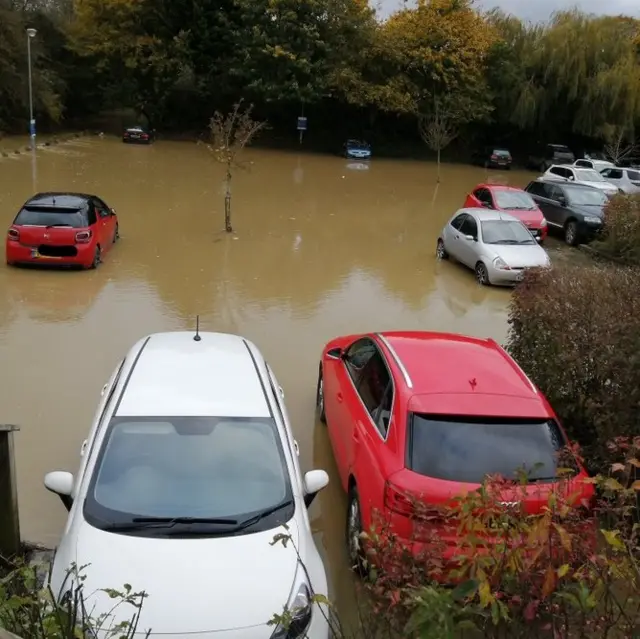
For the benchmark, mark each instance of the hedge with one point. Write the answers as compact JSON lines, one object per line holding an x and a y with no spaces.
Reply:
{"x":621,"y":236}
{"x":576,"y":332}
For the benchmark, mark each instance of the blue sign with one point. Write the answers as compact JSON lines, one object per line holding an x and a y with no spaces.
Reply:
{"x":302,"y":123}
{"x":32,"y":128}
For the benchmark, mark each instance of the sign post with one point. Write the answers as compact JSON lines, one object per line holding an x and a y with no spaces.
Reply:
{"x":302,"y":126}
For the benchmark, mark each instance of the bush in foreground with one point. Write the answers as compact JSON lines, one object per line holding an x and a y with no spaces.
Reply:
{"x":576,"y":332}
{"x":621,"y":236}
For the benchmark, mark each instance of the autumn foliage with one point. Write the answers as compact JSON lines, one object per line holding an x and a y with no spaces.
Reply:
{"x":621,"y":237}
{"x":576,"y":332}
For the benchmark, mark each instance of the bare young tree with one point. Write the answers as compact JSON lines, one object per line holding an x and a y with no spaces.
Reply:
{"x":438,"y":128}
{"x":619,"y":147}
{"x":230,"y":134}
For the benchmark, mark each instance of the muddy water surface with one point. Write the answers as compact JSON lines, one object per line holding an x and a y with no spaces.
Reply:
{"x":322,"y":247}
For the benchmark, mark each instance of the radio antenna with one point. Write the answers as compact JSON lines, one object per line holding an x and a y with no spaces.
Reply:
{"x":196,"y":337}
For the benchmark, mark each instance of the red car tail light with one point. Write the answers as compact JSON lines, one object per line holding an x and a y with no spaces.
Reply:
{"x":13,"y":234}
{"x":400,"y":502}
{"x":83,"y":237}
{"x":494,"y":157}
{"x":145,"y":136}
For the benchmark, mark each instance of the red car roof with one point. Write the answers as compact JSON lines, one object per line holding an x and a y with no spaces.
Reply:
{"x":497,"y":187}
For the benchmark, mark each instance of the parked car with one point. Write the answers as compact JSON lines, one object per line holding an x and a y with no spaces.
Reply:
{"x":421,"y":417}
{"x":493,"y":157}
{"x":626,"y":180}
{"x":188,"y":474}
{"x":596,"y":165}
{"x":577,"y":211}
{"x":62,"y":229}
{"x":356,"y":149}
{"x":513,"y":201}
{"x":139,"y":135}
{"x":629,"y":162}
{"x":495,"y":245}
{"x":546,"y":155}
{"x":588,"y":177}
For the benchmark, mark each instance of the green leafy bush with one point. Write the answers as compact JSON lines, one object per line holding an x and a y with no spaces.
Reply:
{"x":621,"y":235}
{"x":576,"y":332}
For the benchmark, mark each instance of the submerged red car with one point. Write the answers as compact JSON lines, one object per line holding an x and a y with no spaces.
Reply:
{"x":421,"y":417}
{"x":514,"y":201}
{"x":70,"y":229}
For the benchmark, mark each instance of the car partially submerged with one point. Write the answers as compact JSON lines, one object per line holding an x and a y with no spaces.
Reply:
{"x":357,"y":149}
{"x":139,"y":135}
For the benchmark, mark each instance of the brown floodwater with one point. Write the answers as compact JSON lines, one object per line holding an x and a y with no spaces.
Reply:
{"x":322,"y":247}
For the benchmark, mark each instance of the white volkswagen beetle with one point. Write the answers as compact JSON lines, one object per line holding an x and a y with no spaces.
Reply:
{"x":188,"y":474}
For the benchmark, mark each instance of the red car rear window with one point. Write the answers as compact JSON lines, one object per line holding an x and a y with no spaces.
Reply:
{"x":51,"y":216}
{"x":467,"y":449}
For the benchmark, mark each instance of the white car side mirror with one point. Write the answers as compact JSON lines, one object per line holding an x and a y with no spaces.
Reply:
{"x":314,"y":482}
{"x":60,"y":482}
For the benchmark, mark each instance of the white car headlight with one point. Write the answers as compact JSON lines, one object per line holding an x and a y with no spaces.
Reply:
{"x":592,"y":219}
{"x":499,"y":263}
{"x":297,"y":614}
{"x":543,"y":223}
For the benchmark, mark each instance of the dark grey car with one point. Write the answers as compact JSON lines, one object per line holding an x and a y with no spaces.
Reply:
{"x":577,"y":211}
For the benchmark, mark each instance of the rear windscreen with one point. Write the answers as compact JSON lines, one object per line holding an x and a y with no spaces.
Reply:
{"x":51,"y":216}
{"x":502,"y":153}
{"x":467,"y":449}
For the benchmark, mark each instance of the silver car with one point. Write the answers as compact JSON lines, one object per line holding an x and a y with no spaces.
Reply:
{"x":627,"y":180}
{"x":496,"y":245}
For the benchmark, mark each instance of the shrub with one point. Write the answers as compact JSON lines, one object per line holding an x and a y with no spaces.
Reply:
{"x":576,"y":332}
{"x":621,"y":235}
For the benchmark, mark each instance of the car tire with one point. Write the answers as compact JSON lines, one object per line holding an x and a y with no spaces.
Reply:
{"x":482,"y":275}
{"x":355,"y":552}
{"x":571,"y":233}
{"x":97,"y":258}
{"x":320,"y":397}
{"x":441,"y":252}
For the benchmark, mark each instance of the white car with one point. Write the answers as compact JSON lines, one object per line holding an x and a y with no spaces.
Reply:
{"x":589,"y":177}
{"x":495,"y":245}
{"x":591,"y":163}
{"x":187,"y":476}
{"x":628,"y":180}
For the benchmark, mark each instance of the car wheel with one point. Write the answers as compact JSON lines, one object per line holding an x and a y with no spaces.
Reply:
{"x":116,"y":235}
{"x":320,"y":397}
{"x":354,"y":534}
{"x":97,"y":258}
{"x":571,"y":233}
{"x":441,"y":252}
{"x":482,"y":275}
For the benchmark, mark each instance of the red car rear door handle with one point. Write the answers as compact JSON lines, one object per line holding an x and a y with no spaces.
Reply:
{"x":356,"y":433}
{"x":339,"y":397}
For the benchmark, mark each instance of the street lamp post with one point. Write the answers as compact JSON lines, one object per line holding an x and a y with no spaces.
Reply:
{"x":31,"y":33}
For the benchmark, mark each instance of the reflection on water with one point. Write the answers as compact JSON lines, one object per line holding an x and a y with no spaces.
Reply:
{"x":319,"y":251}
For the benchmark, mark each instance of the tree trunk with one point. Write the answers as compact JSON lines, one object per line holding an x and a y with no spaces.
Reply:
{"x":227,"y":205}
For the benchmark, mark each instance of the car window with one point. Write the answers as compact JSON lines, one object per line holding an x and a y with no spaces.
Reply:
{"x":469,"y":227}
{"x":585,"y":196}
{"x":101,"y":208}
{"x":469,"y":449}
{"x":514,"y":200}
{"x":223,"y":467}
{"x":584,"y":163}
{"x":536,"y":188}
{"x":560,"y":170}
{"x":357,"y":356}
{"x":457,"y":221}
{"x":51,"y":216}
{"x":633,"y":175}
{"x":373,"y":387}
{"x":554,"y":192}
{"x":503,"y":153}
{"x":615,"y":174}
{"x":484,"y":196}
{"x":588,"y":175}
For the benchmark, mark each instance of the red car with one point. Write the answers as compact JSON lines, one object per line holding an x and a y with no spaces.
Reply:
{"x":420,"y":417}
{"x":70,"y":229}
{"x":514,"y":201}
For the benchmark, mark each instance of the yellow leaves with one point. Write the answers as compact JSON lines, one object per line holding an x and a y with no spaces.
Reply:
{"x":565,"y":537}
{"x":550,"y":581}
{"x":613,"y":539}
{"x":484,"y":594}
{"x":612,"y":484}
{"x":563,"y":570}
{"x":636,"y":485}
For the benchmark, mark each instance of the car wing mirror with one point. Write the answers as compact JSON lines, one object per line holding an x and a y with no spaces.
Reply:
{"x":470,"y":238}
{"x":60,"y":482}
{"x":562,"y":201}
{"x":314,"y":482}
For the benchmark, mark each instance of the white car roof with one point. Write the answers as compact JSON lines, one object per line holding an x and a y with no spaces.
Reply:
{"x":485,"y":215}
{"x":174,"y":375}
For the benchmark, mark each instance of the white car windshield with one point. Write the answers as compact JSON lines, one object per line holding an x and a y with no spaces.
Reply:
{"x":505,"y":232}
{"x":585,"y":196}
{"x":514,"y":200}
{"x":187,"y":467}
{"x":589,"y":175}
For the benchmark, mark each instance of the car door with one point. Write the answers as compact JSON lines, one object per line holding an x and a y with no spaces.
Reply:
{"x":540,"y":194}
{"x":371,"y":418}
{"x":615,"y":176}
{"x":106,"y":222}
{"x":555,"y":212}
{"x":468,"y":245}
{"x":340,"y":395}
{"x":452,"y":239}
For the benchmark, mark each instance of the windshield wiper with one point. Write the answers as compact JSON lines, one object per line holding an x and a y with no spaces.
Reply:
{"x":139,"y":523}
{"x":265,"y":513}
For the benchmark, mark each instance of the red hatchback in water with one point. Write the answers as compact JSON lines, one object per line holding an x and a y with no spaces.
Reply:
{"x":70,"y":229}
{"x":420,"y":417}
{"x":511,"y":200}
